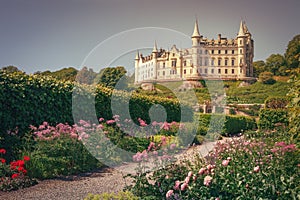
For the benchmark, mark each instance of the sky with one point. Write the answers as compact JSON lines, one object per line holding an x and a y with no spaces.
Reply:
{"x":40,"y":35}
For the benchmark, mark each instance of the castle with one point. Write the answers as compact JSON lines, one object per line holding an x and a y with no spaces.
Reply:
{"x":207,"y":59}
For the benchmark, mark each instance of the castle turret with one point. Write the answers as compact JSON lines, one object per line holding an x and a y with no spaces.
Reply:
{"x":154,"y":58}
{"x":242,"y":39}
{"x":195,"y":46}
{"x":136,"y":66}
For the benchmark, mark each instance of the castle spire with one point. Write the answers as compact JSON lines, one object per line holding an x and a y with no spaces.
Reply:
{"x":154,"y":48}
{"x":137,"y":56}
{"x":241,"y":31}
{"x":196,"y":30}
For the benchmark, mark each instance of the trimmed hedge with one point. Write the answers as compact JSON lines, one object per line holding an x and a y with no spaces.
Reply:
{"x":32,"y":99}
{"x":270,"y":118}
{"x":226,"y":124}
{"x":276,"y":102}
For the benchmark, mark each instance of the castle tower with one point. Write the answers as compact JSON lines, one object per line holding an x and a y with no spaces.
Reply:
{"x":196,"y":37}
{"x":154,"y":58}
{"x":136,"y":66}
{"x":242,"y":40}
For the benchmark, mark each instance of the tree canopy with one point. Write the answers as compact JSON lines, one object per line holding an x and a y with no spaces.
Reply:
{"x":292,"y":54}
{"x":111,"y":76}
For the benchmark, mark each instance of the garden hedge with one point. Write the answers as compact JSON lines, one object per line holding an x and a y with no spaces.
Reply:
{"x":270,"y":118}
{"x":33,"y":99}
{"x":227,"y":124}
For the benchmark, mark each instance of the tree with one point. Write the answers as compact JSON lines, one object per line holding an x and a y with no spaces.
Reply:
{"x":266,"y":78}
{"x":86,"y":76}
{"x":66,"y":74}
{"x":11,"y":69}
{"x":258,"y":67}
{"x":292,"y":54}
{"x":111,"y":76}
{"x":276,"y":64}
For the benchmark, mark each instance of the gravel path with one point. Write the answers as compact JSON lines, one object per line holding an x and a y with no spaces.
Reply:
{"x":78,"y":187}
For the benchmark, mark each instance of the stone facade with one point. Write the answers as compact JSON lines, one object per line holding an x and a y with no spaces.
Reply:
{"x":221,"y":58}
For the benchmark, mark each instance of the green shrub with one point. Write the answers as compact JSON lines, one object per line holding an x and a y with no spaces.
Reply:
{"x":276,"y":102}
{"x":266,"y":78}
{"x":227,"y":124}
{"x":112,"y":196}
{"x":270,"y":118}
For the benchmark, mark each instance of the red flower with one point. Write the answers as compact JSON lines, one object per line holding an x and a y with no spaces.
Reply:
{"x":26,"y":158}
{"x":3,"y":151}
{"x":14,"y":176}
{"x":24,"y":171}
{"x":2,"y":160}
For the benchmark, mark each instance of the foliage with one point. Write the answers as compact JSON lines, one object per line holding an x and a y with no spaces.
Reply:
{"x":112,"y":196}
{"x":292,"y":54}
{"x":10,"y":69}
{"x":258,"y":67}
{"x":276,"y":102}
{"x":111,"y":76}
{"x":58,"y":151}
{"x":271,"y":118}
{"x":14,"y":175}
{"x":275,"y":63}
{"x":226,"y":125}
{"x":236,"y":169}
{"x":266,"y":78}
{"x":66,"y":74}
{"x":86,"y":76}
{"x":294,"y":109}
{"x":256,"y":93}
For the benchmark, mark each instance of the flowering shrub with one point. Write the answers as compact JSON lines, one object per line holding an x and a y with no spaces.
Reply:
{"x":236,"y":169}
{"x":14,"y":175}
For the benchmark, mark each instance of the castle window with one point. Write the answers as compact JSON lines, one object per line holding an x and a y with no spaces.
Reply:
{"x":173,"y":54}
{"x":191,"y":71}
{"x":232,"y":71}
{"x":163,"y":73}
{"x":164,"y":65}
{"x":241,"y":60}
{"x":184,"y":63}
{"x":173,"y":63}
{"x":232,"y":51}
{"x":219,"y":52}
{"x":226,"y":62}
{"x":200,"y":51}
{"x":241,"y":41}
{"x":206,"y":62}
{"x":226,"y":71}
{"x":157,"y":73}
{"x":212,"y":51}
{"x":200,"y":70}
{"x":241,"y":51}
{"x":219,"y":71}
{"x":212,"y":62}
{"x":226,"y":51}
{"x":184,"y":71}
{"x":219,"y":62}
{"x":212,"y":71}
{"x":200,"y":61}
{"x":206,"y":52}
{"x":205,"y":71}
{"x":232,"y":62}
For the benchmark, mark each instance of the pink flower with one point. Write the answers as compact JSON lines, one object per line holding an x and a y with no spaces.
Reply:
{"x":187,"y":180}
{"x":172,"y":146}
{"x":142,"y":122}
{"x":256,"y":169}
{"x":169,"y":194}
{"x":183,"y":186}
{"x":225,"y":162}
{"x":176,"y":186}
{"x":101,"y":119}
{"x":190,"y":174}
{"x":207,"y":180}
{"x":202,"y":171}
{"x":151,"y":145}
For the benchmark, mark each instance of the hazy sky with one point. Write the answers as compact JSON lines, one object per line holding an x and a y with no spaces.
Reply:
{"x":39,"y":35}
